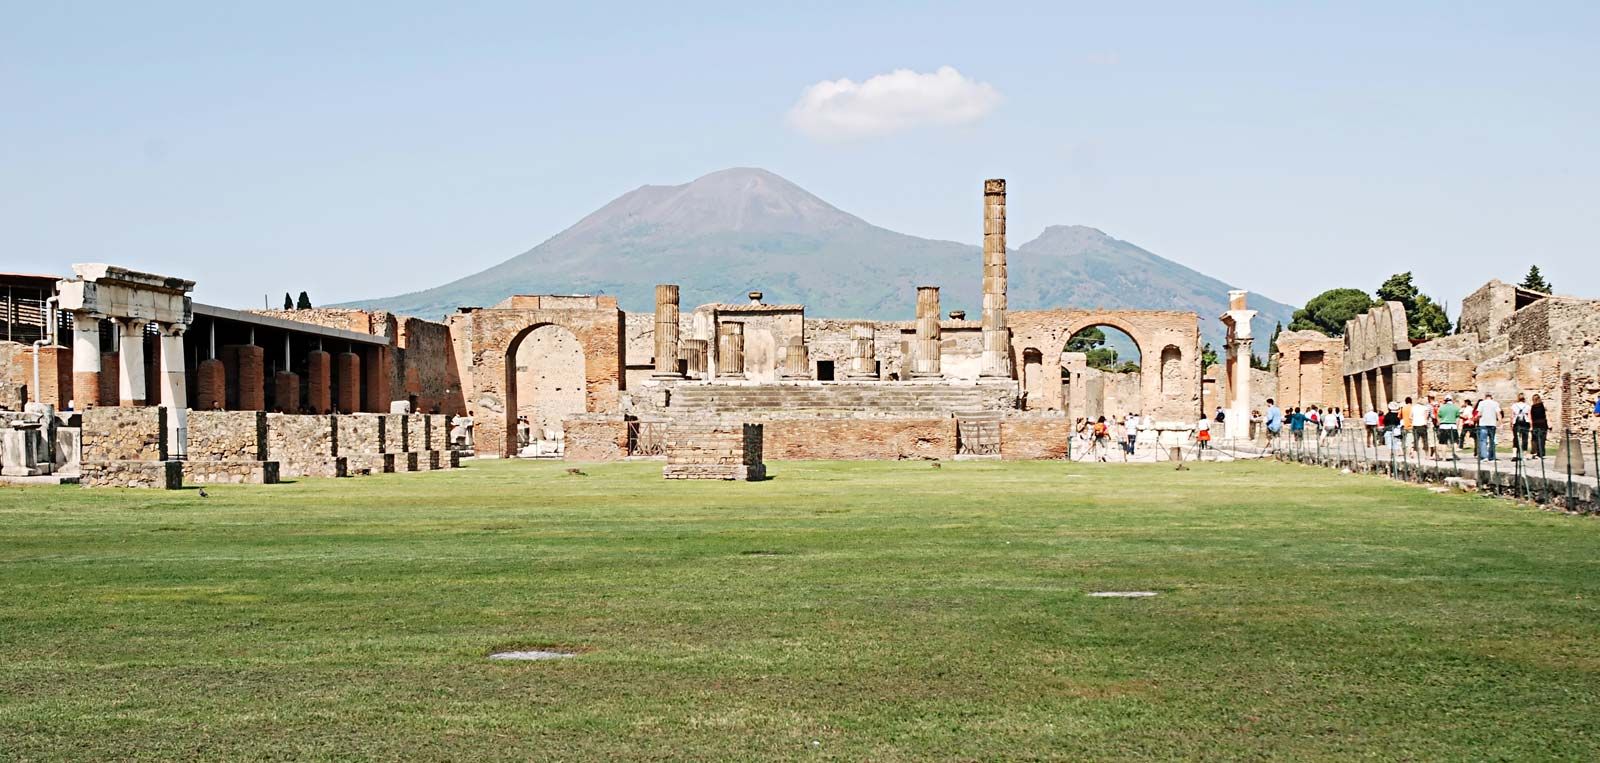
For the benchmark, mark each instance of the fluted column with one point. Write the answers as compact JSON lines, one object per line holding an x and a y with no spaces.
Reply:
{"x":730,"y":352}
{"x":667,"y":332}
{"x":796,"y":361}
{"x":863,"y":353}
{"x":130,"y":362}
{"x":996,"y":359}
{"x":85,"y":360}
{"x":693,"y":352}
{"x":925,"y":351}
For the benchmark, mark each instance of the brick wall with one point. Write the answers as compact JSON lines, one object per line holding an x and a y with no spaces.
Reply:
{"x":1025,"y":439}
{"x":595,"y":438}
{"x":859,"y":439}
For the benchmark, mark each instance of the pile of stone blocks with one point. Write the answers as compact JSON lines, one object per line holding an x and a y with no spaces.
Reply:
{"x":127,"y":447}
{"x":37,"y":443}
{"x":229,"y":447}
{"x":304,"y":445}
{"x":714,"y":450}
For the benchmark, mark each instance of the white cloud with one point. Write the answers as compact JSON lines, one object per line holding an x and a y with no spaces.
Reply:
{"x":886,"y":103}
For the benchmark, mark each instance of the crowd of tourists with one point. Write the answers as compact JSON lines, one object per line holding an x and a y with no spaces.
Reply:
{"x":1432,"y":427}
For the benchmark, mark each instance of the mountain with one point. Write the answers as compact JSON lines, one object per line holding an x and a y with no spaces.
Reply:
{"x":748,"y":229}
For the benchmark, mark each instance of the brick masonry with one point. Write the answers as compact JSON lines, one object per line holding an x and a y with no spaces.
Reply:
{"x":714,"y":450}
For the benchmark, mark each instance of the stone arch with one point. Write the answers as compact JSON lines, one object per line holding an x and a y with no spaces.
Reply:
{"x":1152,"y":331}
{"x":545,"y":378}
{"x":1111,"y":394}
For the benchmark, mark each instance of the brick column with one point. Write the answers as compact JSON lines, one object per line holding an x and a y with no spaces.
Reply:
{"x":85,"y":360}
{"x":667,"y":332}
{"x":252,"y":378}
{"x":210,"y":386}
{"x":730,"y":355}
{"x":319,"y":381}
{"x":996,"y":359}
{"x":377,"y":379}
{"x":347,"y":367}
{"x":108,"y":379}
{"x":286,"y":392}
{"x":925,"y":351}
{"x":130,"y":363}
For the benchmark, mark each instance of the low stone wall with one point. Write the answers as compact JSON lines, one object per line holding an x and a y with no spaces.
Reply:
{"x":159,"y":475}
{"x":230,"y":472}
{"x":595,"y":437}
{"x":304,"y":445}
{"x":714,"y":450}
{"x":227,"y":436}
{"x":361,"y":433}
{"x":125,"y":434}
{"x":1032,"y":439}
{"x":859,"y":439}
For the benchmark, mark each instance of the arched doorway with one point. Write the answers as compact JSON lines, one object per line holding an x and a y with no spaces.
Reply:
{"x":1101,"y":369}
{"x":544,"y":380}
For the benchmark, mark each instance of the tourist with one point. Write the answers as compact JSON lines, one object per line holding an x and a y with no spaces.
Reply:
{"x":1371,"y":420}
{"x":1130,"y":427}
{"x":1202,"y":432}
{"x":1274,"y":423}
{"x":1521,"y":426}
{"x":1102,"y":437}
{"x":1297,"y":425}
{"x":524,"y":432}
{"x":1421,"y":428}
{"x":1220,"y":416}
{"x":1469,"y":428}
{"x":1449,"y":417}
{"x":1487,"y":418}
{"x":1539,"y":423}
{"x":1391,"y":425}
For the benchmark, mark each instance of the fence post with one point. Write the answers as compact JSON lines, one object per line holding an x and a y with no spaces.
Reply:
{"x":1566,"y":442}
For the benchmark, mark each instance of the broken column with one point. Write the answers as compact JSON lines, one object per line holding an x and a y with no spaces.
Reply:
{"x":667,"y":332}
{"x":863,"y":353}
{"x":85,"y":360}
{"x":730,"y":352}
{"x":925,"y":351}
{"x":1238,"y":349}
{"x":996,"y":360}
{"x":319,"y":381}
{"x":252,"y":365}
{"x":693,"y":352}
{"x":796,"y":361}
{"x":348,"y":370}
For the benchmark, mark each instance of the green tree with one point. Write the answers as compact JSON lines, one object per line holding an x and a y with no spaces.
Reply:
{"x":1534,"y":281}
{"x":1425,"y":317}
{"x":1086,"y":340}
{"x":304,"y":303}
{"x":1328,"y":311}
{"x":1208,"y":356}
{"x":288,"y":301}
{"x":1272,"y":348}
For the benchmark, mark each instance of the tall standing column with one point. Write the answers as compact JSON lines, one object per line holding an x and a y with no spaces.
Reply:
{"x":85,"y":360}
{"x":130,"y":363}
{"x":996,"y":359}
{"x":730,"y":352}
{"x":863,"y":353}
{"x":1238,"y":348}
{"x":174,"y":386}
{"x":925,"y":357}
{"x":348,"y":370}
{"x":667,"y":332}
{"x":319,"y":381}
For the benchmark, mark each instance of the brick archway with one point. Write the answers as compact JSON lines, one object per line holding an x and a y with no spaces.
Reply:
{"x":1168,"y":340}
{"x":544,"y":368}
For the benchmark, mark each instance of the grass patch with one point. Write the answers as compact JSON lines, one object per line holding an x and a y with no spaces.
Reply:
{"x":884,"y":611}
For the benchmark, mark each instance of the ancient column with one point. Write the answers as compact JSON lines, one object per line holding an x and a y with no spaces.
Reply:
{"x":85,"y":360}
{"x":925,"y":352}
{"x":796,"y":361}
{"x":286,"y":384}
{"x":319,"y":381}
{"x":347,"y":368}
{"x":174,"y":385}
{"x":996,"y":359}
{"x":730,"y":352}
{"x":1238,"y":349}
{"x":863,"y":353}
{"x":667,"y":332}
{"x":377,"y":364}
{"x":130,"y":362}
{"x":252,"y":365}
{"x":693,"y":352}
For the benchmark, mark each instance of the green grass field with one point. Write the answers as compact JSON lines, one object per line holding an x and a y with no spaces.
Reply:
{"x":878,"y":611}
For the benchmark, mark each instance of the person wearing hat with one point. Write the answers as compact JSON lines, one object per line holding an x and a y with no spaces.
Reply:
{"x":1449,"y":423}
{"x":1391,"y":425}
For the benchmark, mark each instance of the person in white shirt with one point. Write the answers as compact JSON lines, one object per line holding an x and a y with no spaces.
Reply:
{"x":1421,"y":427}
{"x":1371,"y":420}
{"x":1521,"y":424}
{"x":1488,"y":414}
{"x":1130,"y":427}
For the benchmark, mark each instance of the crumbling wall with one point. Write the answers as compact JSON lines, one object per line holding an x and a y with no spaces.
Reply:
{"x":595,"y":437}
{"x":859,"y":439}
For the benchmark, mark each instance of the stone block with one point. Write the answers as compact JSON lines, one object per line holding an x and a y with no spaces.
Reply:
{"x":714,"y":450}
{"x":230,"y":472}
{"x":159,"y":475}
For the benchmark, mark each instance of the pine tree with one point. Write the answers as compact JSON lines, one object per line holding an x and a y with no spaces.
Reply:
{"x":1327,"y":312}
{"x":288,"y":301}
{"x":304,"y":302}
{"x":1534,"y":281}
{"x":1425,"y":317}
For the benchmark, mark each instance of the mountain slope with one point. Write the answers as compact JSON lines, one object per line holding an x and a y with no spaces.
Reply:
{"x":741,"y":229}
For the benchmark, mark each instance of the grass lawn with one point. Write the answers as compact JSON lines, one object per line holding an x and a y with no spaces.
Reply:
{"x":882,"y":611}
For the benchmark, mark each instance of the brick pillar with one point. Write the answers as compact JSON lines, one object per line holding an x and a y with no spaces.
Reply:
{"x":667,"y":332}
{"x":319,"y":382}
{"x":108,"y":379}
{"x":347,"y":367}
{"x":252,"y":378}
{"x":55,"y":376}
{"x":377,"y":379}
{"x":85,"y":360}
{"x":286,"y":392}
{"x":925,"y":358}
{"x":996,"y":359}
{"x":210,"y":386}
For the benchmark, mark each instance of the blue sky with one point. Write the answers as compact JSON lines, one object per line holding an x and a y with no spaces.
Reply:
{"x":359,"y":150}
